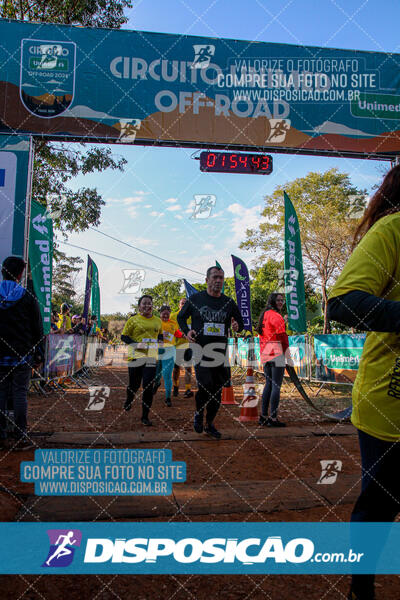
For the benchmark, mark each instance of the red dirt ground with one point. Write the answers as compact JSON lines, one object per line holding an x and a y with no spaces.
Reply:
{"x":208,"y":461}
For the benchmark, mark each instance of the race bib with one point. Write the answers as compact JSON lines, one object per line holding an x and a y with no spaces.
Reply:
{"x":214,"y":329}
{"x":168,"y":336}
{"x":147,"y":343}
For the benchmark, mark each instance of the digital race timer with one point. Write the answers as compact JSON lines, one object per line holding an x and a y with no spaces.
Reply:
{"x":231,"y":162}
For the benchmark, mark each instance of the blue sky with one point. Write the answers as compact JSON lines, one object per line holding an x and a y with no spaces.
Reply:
{"x":149,"y":205}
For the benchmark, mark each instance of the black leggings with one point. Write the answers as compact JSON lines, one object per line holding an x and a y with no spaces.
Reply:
{"x":210,"y":381}
{"x":147,"y":374}
{"x":379,"y":500}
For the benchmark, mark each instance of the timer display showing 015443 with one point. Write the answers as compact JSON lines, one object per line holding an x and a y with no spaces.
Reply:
{"x":230,"y":162}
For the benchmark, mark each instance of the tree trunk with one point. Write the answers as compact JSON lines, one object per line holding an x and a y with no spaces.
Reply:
{"x":327,"y":324}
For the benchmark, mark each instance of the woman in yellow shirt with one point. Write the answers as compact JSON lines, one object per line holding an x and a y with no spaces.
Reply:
{"x":367,"y":296}
{"x":142,"y":332}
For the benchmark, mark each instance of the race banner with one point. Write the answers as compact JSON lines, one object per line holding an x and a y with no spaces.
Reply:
{"x":293,"y":274}
{"x":60,"y":356}
{"x":337,"y":357}
{"x":96,"y":293}
{"x":88,"y":288}
{"x":41,"y":259}
{"x":142,"y":87}
{"x":15,"y":158}
{"x":79,"y":350}
{"x":242,"y":287}
{"x":299,"y":354}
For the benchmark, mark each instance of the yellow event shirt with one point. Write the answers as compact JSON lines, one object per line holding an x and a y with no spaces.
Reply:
{"x":374,"y":267}
{"x":169,"y":327}
{"x":180,"y":342}
{"x":143,"y":330}
{"x":64,"y":320}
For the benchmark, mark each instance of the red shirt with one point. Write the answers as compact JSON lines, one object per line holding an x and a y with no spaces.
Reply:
{"x":273,"y":339}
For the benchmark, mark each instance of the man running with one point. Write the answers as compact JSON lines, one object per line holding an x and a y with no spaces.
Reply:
{"x":212,"y":314}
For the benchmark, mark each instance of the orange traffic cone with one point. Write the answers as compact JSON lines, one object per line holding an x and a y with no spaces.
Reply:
{"x":228,"y":396}
{"x":248,"y":408}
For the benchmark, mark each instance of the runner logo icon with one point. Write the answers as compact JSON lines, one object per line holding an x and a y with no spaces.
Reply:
{"x":62,"y":547}
{"x":202,"y":55}
{"x":329,"y":471}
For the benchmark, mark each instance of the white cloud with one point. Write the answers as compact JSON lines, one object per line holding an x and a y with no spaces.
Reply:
{"x":244,"y":218}
{"x":148,"y":206}
{"x":175,"y":207}
{"x":132,"y":200}
{"x":208,"y":246}
{"x":179,"y":217}
{"x":172,"y":200}
{"x":154,"y":213}
{"x":174,"y":229}
{"x":128,"y":200}
{"x":132,"y":211}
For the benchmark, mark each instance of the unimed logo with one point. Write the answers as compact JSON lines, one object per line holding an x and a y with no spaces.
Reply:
{"x":190,"y":550}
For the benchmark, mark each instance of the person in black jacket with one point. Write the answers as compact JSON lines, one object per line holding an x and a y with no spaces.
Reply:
{"x":21,"y":348}
{"x":212,"y":314}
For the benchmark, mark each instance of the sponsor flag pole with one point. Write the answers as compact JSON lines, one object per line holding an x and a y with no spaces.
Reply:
{"x":41,"y":260}
{"x":88,"y":288}
{"x":96,"y":293}
{"x":293,"y":274}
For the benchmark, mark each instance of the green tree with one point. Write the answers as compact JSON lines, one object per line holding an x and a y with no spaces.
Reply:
{"x":327,"y":205}
{"x":89,"y":13}
{"x":267,"y":279}
{"x":54,"y":167}
{"x":65,"y":273}
{"x":166,"y":292}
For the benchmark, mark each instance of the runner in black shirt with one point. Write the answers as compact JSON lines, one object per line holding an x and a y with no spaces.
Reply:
{"x":212,"y":315}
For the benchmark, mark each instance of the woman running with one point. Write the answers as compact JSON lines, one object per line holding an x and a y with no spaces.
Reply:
{"x":273,"y":344}
{"x":166,"y":354}
{"x":367,"y":296}
{"x":142,"y":332}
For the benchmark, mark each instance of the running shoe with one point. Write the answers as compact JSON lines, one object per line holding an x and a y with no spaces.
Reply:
{"x":146,"y":422}
{"x":176,"y":390}
{"x":264,"y":421}
{"x":188,"y":394}
{"x":275,"y":423}
{"x":198,"y":423}
{"x":168,"y":401}
{"x":210,"y":430}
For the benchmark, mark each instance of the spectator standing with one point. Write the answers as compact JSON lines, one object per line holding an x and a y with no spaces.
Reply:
{"x":274,"y":343}
{"x":64,"y":320}
{"x":21,"y":348}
